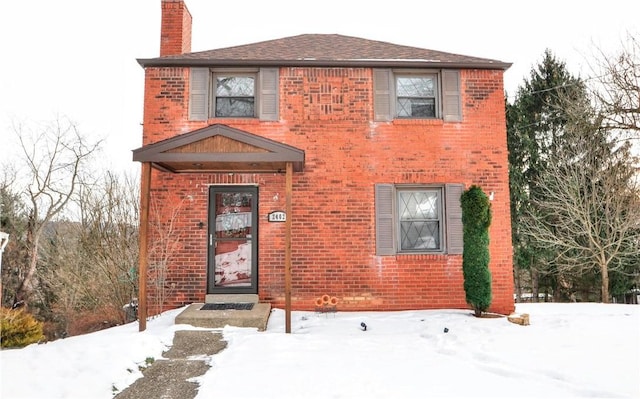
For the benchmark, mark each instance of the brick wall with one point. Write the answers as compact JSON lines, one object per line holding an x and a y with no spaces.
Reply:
{"x":327,"y":112}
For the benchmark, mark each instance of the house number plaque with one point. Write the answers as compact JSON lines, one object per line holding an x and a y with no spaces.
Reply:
{"x":277,"y":216}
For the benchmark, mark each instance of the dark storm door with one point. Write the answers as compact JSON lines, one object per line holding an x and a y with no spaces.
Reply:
{"x":233,"y":240}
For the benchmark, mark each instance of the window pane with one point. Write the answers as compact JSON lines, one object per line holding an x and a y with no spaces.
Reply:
{"x":234,"y":107}
{"x":416,"y":107}
{"x":235,"y":86}
{"x":419,"y":235}
{"x":415,"y":86}
{"x":418,"y":205}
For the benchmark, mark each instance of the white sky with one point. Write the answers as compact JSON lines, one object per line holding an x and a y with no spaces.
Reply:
{"x":77,"y":58}
{"x":577,"y":350}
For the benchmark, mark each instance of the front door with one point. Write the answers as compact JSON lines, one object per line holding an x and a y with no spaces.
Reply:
{"x":233,"y":240}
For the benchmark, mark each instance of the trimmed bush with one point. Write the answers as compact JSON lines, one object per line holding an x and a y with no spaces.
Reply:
{"x":19,"y":328}
{"x":476,"y":219}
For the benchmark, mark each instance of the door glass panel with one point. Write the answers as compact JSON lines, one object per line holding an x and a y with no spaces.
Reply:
{"x":233,"y":239}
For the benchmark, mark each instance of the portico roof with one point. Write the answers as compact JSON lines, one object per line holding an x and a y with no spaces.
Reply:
{"x":220,"y":148}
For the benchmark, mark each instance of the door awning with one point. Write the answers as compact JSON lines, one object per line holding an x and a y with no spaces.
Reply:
{"x":220,"y":148}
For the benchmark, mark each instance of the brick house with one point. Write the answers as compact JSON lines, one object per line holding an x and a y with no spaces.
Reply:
{"x":318,"y":164}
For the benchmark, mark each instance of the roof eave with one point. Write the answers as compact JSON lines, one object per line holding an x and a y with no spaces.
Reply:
{"x":188,"y":62}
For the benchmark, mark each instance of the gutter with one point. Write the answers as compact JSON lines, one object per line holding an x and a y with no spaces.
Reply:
{"x":369,"y":63}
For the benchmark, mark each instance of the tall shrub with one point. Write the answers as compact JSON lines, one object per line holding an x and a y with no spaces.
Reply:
{"x":476,"y":219}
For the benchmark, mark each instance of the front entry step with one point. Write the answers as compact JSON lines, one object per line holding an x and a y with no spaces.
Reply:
{"x":257,"y":317}
{"x":231,"y":298}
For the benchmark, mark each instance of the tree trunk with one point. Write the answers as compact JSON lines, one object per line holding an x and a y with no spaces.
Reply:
{"x":557,"y":289}
{"x":24,"y":289}
{"x":518,"y":283}
{"x":604,"y":270}
{"x":534,"y":285}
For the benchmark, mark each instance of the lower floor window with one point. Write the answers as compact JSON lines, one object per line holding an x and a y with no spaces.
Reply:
{"x":418,"y":218}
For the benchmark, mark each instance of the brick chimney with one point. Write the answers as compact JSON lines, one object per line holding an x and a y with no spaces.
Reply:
{"x":175,"y":32}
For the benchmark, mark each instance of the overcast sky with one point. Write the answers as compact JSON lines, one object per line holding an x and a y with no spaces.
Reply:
{"x":77,"y":58}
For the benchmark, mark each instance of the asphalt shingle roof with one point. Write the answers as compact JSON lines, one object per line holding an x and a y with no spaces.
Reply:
{"x":324,"y":50}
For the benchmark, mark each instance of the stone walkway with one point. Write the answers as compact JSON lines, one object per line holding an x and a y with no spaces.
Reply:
{"x":167,"y":378}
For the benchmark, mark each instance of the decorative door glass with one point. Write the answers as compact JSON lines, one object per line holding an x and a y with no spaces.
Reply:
{"x":232,"y":239}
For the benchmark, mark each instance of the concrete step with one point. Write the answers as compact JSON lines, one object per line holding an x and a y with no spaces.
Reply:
{"x":256,"y":317}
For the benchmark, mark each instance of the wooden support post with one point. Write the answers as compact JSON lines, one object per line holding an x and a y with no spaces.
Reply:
{"x":144,"y":241}
{"x":287,"y":253}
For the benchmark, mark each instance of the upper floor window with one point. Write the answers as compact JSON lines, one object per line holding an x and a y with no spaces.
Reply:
{"x":233,"y":93}
{"x":416,"y":94}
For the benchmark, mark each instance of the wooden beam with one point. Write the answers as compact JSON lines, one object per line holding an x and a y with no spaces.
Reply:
{"x":287,"y":252}
{"x":144,"y":245}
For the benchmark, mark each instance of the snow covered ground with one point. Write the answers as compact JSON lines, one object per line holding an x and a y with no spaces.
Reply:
{"x":583,"y":350}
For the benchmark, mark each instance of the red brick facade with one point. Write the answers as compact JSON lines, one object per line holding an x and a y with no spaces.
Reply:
{"x":328,"y":113}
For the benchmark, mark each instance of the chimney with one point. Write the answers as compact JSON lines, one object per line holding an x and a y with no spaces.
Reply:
{"x":175,"y":32}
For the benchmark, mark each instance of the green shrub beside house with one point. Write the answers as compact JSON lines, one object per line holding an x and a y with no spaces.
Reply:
{"x":476,"y":219}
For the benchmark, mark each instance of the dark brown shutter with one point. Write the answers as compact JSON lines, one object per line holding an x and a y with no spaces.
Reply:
{"x":451,"y":107}
{"x":384,"y":219}
{"x":199,"y":94}
{"x":453,"y":210}
{"x":382,"y":95}
{"x":268,"y":101}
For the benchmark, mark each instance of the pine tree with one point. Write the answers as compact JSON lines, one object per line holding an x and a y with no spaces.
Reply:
{"x":535,"y":129}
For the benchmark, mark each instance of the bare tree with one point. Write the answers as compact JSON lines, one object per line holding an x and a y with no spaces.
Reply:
{"x":165,"y":243}
{"x":54,"y":156}
{"x":109,"y":212}
{"x":589,"y":213}
{"x":91,"y":261}
{"x":65,"y":281}
{"x":617,"y":88}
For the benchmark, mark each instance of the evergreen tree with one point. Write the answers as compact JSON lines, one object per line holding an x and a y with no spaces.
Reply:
{"x":476,"y":219}
{"x":535,"y":130}
{"x":13,"y":221}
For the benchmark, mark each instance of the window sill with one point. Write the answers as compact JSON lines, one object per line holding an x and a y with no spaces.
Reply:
{"x":420,"y":253}
{"x":234,"y":121}
{"x":407,"y":256}
{"x":422,"y":122}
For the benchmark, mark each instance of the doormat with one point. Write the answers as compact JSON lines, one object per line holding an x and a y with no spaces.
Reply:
{"x":228,"y":306}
